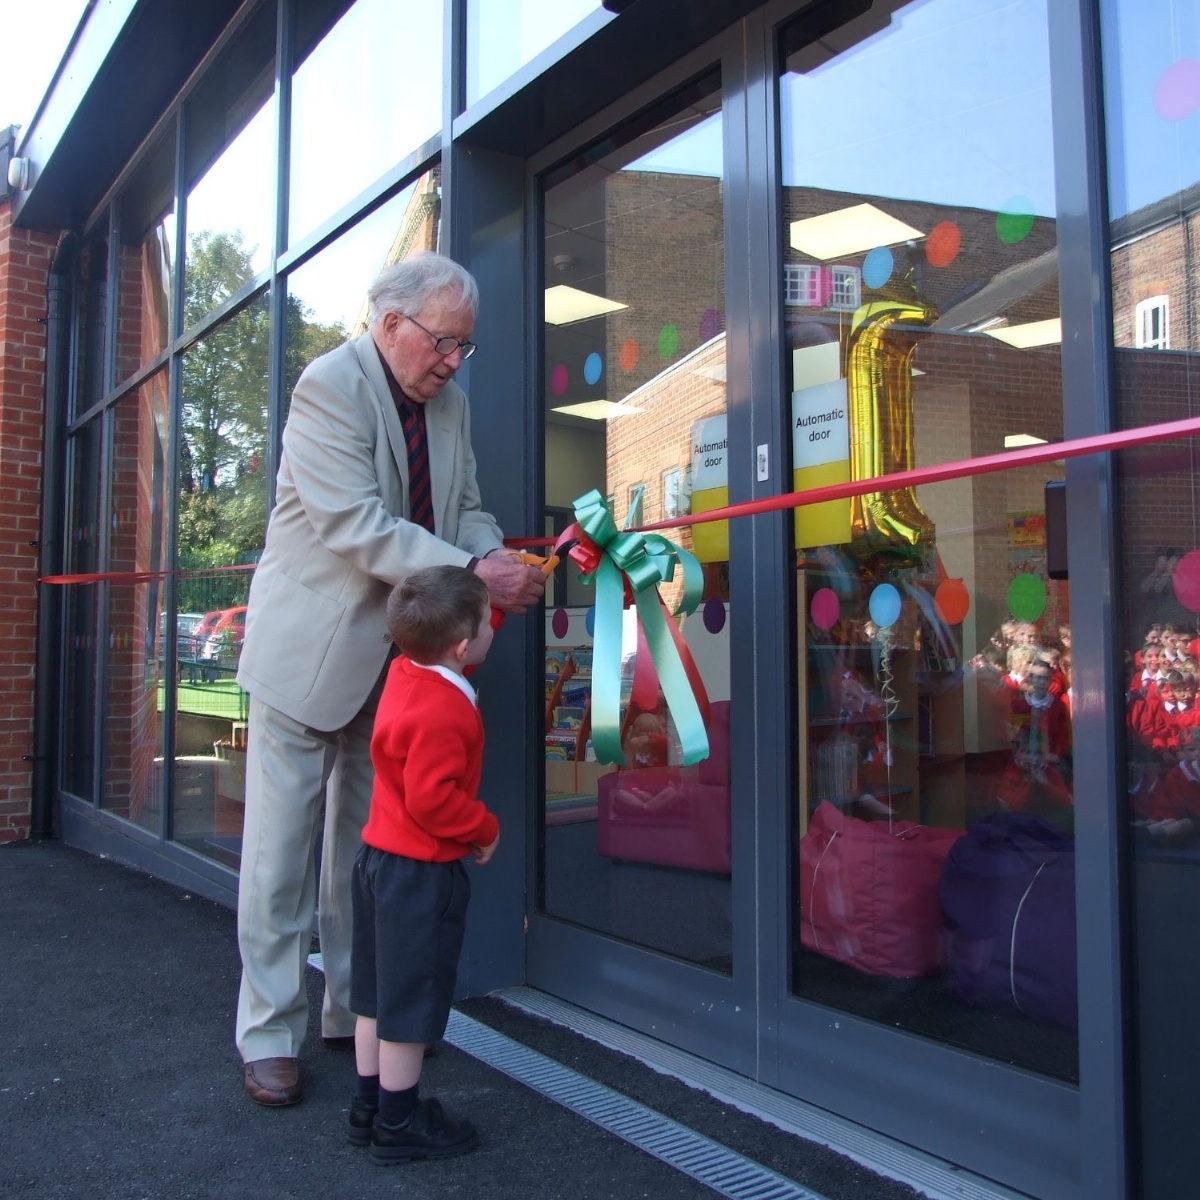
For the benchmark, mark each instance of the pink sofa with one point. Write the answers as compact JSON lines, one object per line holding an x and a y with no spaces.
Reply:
{"x":671,"y":816}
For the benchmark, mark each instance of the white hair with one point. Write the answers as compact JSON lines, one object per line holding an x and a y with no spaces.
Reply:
{"x":407,"y":286}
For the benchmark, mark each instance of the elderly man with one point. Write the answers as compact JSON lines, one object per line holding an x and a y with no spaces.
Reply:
{"x":376,"y":480}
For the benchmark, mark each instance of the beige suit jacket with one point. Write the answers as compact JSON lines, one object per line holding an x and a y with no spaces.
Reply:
{"x":337,"y":540}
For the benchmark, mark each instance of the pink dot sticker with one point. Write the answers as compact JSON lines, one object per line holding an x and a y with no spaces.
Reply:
{"x":559,"y":379}
{"x":1187,"y":581}
{"x":560,"y":622}
{"x":825,"y":608}
{"x":1177,"y":93}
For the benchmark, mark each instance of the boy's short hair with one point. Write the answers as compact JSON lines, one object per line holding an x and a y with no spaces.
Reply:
{"x":435,"y":608}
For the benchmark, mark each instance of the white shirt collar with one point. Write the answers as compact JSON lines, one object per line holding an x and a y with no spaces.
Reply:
{"x":455,"y":678}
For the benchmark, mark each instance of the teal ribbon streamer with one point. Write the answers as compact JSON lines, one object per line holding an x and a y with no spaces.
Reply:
{"x":644,"y":561}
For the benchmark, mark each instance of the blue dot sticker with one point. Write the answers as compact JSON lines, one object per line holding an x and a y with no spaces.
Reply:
{"x":589,"y":621}
{"x":593,"y":365}
{"x":885,"y":605}
{"x":877,"y":267}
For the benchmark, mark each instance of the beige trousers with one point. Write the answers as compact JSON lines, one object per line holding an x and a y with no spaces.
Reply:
{"x":293,"y":775}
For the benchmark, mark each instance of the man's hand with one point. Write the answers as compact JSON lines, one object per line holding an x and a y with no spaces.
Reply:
{"x":514,"y":587}
{"x":482,"y":854}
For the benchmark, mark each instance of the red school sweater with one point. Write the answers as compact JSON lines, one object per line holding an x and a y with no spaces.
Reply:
{"x":427,"y":749}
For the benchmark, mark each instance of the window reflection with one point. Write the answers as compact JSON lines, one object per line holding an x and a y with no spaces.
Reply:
{"x":503,"y":36}
{"x":1152,"y":118}
{"x":134,"y":695}
{"x":147,"y":265}
{"x":222,"y":524}
{"x":82,"y":557}
{"x":920,"y":288}
{"x":230,"y":171}
{"x":326,"y":296}
{"x":346,"y":93}
{"x":635,"y":394}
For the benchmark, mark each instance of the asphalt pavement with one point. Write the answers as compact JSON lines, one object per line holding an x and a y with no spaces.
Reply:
{"x":120,"y":1079}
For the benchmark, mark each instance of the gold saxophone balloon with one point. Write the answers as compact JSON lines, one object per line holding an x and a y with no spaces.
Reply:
{"x":883,"y":337}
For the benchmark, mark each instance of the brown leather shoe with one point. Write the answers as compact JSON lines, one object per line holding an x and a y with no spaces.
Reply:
{"x":274,"y":1082}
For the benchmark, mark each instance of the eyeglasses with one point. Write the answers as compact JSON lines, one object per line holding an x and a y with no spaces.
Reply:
{"x":445,"y":346}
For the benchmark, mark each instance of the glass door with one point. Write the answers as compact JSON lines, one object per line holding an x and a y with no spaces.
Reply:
{"x":932,"y":910}
{"x":638,"y":850}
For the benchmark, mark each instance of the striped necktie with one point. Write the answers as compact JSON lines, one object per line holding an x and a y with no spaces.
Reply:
{"x":420,"y":497}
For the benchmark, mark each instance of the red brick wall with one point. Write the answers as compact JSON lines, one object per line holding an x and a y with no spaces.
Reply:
{"x":24,"y":262}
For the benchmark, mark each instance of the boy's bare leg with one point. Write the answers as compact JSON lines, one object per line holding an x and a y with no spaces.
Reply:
{"x":399,"y":1063}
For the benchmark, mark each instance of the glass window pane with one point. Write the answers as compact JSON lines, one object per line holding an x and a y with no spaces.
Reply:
{"x":920,"y":287}
{"x":635,"y":388}
{"x":134,"y":648}
{"x":91,"y":302}
{"x":230,"y":173}
{"x":354,"y":115}
{"x":327,"y":297}
{"x":146,"y":273}
{"x":80,"y":658}
{"x":503,"y":35}
{"x":1152,"y":116}
{"x":222,"y":524}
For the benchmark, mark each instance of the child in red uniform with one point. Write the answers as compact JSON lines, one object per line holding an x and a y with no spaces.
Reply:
{"x":410,"y":888}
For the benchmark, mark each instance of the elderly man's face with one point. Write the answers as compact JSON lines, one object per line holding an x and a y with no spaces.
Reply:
{"x":409,"y":350}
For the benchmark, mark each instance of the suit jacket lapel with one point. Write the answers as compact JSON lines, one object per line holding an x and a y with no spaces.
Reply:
{"x":439,"y":434}
{"x":368,"y":355}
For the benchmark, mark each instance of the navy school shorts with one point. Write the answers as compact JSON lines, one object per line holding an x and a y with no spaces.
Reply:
{"x":408,"y":933}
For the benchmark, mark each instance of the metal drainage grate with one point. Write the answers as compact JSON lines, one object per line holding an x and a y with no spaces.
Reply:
{"x":706,"y":1161}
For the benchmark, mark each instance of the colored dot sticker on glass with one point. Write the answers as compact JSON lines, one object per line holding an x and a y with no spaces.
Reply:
{"x":559,"y":378}
{"x":884,"y":605}
{"x":952,"y":601}
{"x":714,"y":615}
{"x":1027,"y":597}
{"x":589,"y":621}
{"x":560,"y":622}
{"x":1186,"y":581}
{"x":878,"y":266}
{"x":1177,"y":92}
{"x":825,"y":608}
{"x":943,"y":244}
{"x":668,"y":341}
{"x":1015,"y":220}
{"x":629,"y":355}
{"x":711,"y":323}
{"x":593,"y":366}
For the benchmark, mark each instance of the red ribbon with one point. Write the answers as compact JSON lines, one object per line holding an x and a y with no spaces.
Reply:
{"x":1027,"y":456}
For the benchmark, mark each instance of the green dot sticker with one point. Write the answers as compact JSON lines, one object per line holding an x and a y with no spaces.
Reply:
{"x":1027,"y":597}
{"x":668,"y":341}
{"x":1015,"y":220}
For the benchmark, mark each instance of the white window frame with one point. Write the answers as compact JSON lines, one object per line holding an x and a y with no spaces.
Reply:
{"x":1155,"y":311}
{"x":819,"y":285}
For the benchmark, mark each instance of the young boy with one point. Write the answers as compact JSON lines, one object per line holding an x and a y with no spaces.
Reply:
{"x":410,"y":887}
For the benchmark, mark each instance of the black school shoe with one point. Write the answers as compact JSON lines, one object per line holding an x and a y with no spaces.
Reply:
{"x":362,"y":1117}
{"x":429,"y":1133}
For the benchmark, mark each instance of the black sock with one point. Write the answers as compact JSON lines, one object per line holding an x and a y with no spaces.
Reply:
{"x":368,"y":1089}
{"x":396,"y":1107}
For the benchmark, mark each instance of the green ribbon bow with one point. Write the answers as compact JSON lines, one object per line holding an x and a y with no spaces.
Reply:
{"x":609,"y":558}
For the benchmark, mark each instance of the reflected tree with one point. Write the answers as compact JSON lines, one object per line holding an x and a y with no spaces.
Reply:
{"x":223,"y":450}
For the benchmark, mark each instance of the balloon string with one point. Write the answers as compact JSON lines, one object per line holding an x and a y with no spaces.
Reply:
{"x":887,"y":693}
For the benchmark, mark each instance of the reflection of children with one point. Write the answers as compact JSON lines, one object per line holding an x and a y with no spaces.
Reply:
{"x":1171,"y":809}
{"x":645,"y":742}
{"x":646,"y":746}
{"x":410,"y":890}
{"x":1040,"y":731}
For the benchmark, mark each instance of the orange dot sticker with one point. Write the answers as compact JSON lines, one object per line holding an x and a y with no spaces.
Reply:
{"x":629,"y":355}
{"x":943,"y":244}
{"x":952,"y":601}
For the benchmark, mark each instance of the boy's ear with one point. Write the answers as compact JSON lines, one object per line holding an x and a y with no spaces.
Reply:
{"x":459,"y":650}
